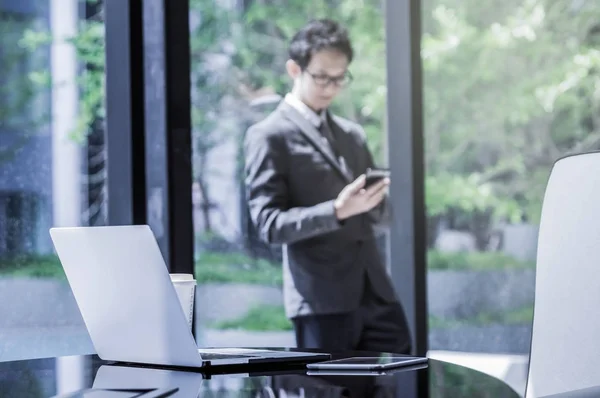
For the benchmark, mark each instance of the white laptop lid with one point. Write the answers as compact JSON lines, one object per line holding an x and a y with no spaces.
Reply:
{"x":125,"y":295}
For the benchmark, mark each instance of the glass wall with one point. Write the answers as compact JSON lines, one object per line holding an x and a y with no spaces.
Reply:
{"x":51,"y":165}
{"x":239,"y":50}
{"x":509,"y":87}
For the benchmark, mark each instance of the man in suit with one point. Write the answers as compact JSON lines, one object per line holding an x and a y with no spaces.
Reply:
{"x":305,"y":186}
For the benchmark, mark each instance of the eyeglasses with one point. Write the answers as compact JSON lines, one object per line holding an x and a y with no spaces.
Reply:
{"x":325,"y":80}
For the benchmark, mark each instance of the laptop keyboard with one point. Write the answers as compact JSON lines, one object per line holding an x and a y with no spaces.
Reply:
{"x":230,"y":353}
{"x":215,"y":356}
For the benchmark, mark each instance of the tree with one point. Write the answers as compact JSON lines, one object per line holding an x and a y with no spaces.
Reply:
{"x":508,"y":91}
{"x":215,"y":110}
{"x":18,"y":95}
{"x":508,"y":88}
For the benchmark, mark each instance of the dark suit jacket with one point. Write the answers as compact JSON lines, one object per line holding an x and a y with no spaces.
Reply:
{"x":292,"y":180}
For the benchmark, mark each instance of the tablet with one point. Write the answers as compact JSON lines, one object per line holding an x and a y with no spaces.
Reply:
{"x":368,"y":363}
{"x":359,"y":372}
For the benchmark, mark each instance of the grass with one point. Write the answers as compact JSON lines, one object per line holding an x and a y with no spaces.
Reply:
{"x":519,"y":316}
{"x":210,"y":267}
{"x":260,"y":318}
{"x":235,"y":267}
{"x":478,"y":261}
{"x":272,"y":318}
{"x":32,"y":266}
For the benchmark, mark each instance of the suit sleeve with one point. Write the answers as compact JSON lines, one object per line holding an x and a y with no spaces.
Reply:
{"x":381,"y":215}
{"x":266,"y":165}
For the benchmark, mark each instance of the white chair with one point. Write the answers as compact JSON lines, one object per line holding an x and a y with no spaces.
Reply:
{"x":565,"y":344}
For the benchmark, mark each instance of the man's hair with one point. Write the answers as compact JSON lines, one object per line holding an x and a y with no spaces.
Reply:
{"x":318,"y":35}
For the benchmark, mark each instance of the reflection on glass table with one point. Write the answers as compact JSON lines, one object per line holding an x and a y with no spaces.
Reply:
{"x":67,"y":375}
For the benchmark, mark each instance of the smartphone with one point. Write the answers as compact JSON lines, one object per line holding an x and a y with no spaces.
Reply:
{"x":368,"y":363}
{"x":375,"y":175}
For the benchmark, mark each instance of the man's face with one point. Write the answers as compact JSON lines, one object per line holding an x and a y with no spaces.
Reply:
{"x":323,"y":78}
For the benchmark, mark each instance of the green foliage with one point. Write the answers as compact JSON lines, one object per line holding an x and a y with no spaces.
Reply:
{"x":516,"y":317}
{"x":272,"y":318}
{"x":213,"y":267}
{"x":89,"y":47}
{"x":32,"y":266}
{"x":469,"y":193}
{"x":481,"y":261}
{"x":210,"y":267}
{"x":502,"y":102}
{"x":259,"y":318}
{"x":508,"y":90}
{"x":236,"y":268}
{"x":508,"y":87}
{"x":20,"y":113}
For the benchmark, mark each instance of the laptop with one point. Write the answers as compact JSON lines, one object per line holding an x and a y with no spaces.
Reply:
{"x":130,"y":307}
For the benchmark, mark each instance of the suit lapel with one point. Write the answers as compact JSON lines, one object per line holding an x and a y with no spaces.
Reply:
{"x":314,"y":137}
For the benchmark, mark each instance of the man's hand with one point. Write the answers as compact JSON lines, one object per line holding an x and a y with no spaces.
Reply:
{"x":354,"y":199}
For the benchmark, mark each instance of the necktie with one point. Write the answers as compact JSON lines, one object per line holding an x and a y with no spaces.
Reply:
{"x":327,"y":134}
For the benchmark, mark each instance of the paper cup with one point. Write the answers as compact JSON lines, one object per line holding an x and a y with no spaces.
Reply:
{"x":185,"y":286}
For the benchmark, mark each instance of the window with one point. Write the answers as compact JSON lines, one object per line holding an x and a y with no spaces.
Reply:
{"x":238,"y":76}
{"x":509,"y":87}
{"x":51,"y":166}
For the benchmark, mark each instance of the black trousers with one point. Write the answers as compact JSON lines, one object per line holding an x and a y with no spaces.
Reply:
{"x":375,"y":326}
